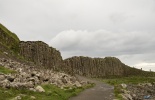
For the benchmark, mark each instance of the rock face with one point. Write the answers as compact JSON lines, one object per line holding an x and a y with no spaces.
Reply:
{"x":41,"y":54}
{"x":38,"y":52}
{"x":99,"y":67}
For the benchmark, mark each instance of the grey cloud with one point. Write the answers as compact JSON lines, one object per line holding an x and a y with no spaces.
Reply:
{"x":102,"y":43}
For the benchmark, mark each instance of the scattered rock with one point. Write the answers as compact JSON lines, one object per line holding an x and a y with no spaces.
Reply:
{"x":5,"y":53}
{"x":128,"y":96}
{"x":77,"y":84}
{"x":123,"y":97}
{"x":138,"y":92}
{"x":149,"y":84}
{"x":10,"y":78}
{"x":2,"y":77}
{"x":32,"y":97}
{"x":32,"y":89}
{"x":39,"y":89}
{"x":30,"y":76}
{"x":17,"y":98}
{"x":147,"y":97}
{"x":124,"y":86}
{"x":64,"y":80}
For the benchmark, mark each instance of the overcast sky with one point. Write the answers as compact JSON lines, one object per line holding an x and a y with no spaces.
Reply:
{"x":95,"y":28}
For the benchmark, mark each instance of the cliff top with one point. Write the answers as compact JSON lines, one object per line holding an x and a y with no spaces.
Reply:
{"x":9,"y":33}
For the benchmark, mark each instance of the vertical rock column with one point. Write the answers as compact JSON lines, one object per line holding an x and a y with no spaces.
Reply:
{"x":97,"y":67}
{"x":41,"y":54}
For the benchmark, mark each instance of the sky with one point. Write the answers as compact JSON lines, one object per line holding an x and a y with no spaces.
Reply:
{"x":96,"y":28}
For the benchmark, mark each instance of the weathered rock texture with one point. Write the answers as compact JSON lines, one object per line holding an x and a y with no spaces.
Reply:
{"x":38,"y":52}
{"x":99,"y":67}
{"x":41,"y":54}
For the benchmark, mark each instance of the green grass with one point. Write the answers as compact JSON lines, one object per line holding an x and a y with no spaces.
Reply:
{"x":127,"y":80}
{"x":6,"y":70}
{"x":14,"y":40}
{"x":14,"y":36}
{"x":52,"y":93}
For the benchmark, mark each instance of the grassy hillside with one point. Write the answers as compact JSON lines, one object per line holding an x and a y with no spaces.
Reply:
{"x":8,"y":40}
{"x":9,"y":33}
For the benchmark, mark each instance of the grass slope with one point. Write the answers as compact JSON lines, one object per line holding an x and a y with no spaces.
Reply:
{"x":9,"y":33}
{"x":52,"y":93}
{"x":9,"y":40}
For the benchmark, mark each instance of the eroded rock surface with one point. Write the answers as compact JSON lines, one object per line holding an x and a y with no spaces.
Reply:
{"x":41,"y":54}
{"x":99,"y":67}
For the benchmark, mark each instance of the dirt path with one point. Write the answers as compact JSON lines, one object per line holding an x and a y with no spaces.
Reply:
{"x":101,"y":91}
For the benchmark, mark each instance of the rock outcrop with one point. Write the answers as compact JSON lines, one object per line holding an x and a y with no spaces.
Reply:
{"x":100,"y":67}
{"x":41,"y":54}
{"x":38,"y":52}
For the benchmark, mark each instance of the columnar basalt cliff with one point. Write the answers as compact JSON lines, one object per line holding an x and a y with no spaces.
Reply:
{"x":100,"y":67}
{"x":43,"y":55}
{"x":35,"y":51}
{"x":40,"y":53}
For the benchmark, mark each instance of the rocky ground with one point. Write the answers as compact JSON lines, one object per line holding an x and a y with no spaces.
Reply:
{"x":31,"y":77}
{"x":143,"y":91}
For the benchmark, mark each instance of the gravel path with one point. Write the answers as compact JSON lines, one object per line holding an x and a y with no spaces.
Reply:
{"x":101,"y":91}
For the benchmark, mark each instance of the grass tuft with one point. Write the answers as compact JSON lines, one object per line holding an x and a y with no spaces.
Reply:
{"x":6,"y":70}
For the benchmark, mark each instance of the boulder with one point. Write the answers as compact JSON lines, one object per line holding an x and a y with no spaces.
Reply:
{"x":17,"y":98}
{"x":32,"y":97}
{"x":10,"y":78}
{"x":39,"y":89}
{"x":124,"y":97}
{"x":2,"y":77}
{"x":77,"y":84}
{"x":32,"y":89}
{"x":124,"y":86}
{"x":64,"y":80}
